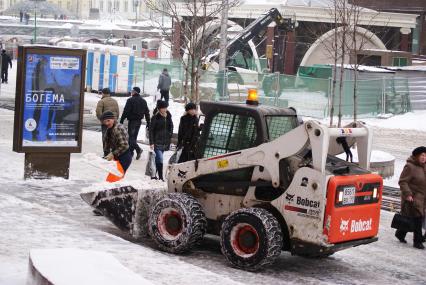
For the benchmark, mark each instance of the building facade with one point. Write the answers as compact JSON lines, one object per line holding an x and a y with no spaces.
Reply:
{"x":90,"y":9}
{"x":415,"y":40}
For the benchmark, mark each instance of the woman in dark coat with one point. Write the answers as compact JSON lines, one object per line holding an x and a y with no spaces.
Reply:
{"x":188,"y":133}
{"x":160,"y":134}
{"x":413,"y":189}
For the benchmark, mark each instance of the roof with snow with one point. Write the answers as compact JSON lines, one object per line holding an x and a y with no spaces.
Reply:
{"x":309,"y":11}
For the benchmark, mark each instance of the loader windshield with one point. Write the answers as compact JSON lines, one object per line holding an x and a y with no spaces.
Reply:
{"x":279,"y":125}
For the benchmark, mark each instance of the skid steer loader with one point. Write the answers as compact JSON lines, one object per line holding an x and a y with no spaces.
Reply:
{"x":264,"y":182}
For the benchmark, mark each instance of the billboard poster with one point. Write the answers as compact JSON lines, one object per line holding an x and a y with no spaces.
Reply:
{"x":51,"y":100}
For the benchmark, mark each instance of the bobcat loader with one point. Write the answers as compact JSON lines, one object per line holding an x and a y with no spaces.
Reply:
{"x":264,"y":182}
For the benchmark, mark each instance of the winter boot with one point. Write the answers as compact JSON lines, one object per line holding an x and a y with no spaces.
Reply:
{"x":160,"y":171}
{"x":418,"y":245}
{"x":400,"y":237}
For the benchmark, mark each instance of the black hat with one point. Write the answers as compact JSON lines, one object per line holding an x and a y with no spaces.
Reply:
{"x":137,"y":89}
{"x":106,"y":91}
{"x":162,"y":104}
{"x":190,"y":106}
{"x":107,"y":115}
{"x":419,"y":150}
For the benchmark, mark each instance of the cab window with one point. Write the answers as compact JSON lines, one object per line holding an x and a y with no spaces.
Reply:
{"x":228,"y":133}
{"x":279,"y":125}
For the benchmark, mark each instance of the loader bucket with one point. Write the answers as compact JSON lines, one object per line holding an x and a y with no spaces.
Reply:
{"x":116,"y":204}
{"x":125,"y":206}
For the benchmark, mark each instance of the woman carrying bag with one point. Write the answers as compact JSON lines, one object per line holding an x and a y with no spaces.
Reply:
{"x":412,"y":183}
{"x":160,"y":134}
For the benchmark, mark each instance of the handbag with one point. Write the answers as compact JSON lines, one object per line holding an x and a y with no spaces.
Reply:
{"x":150,"y":166}
{"x":175,"y":157}
{"x":402,"y":222}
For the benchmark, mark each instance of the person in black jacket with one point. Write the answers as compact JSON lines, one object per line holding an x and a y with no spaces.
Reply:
{"x":134,"y":111}
{"x":188,"y":133}
{"x":160,"y":134}
{"x":5,"y":62}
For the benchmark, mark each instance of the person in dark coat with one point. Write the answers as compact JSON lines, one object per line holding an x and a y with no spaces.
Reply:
{"x":5,"y":62}
{"x":412,"y":183}
{"x":134,"y":111}
{"x":188,"y":133}
{"x":164,"y":83}
{"x":160,"y":134}
{"x":116,"y":141}
{"x":342,"y":141}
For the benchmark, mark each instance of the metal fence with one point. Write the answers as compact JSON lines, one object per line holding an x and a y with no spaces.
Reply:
{"x":310,"y":96}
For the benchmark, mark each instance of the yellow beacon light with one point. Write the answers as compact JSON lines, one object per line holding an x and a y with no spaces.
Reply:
{"x":252,"y":97}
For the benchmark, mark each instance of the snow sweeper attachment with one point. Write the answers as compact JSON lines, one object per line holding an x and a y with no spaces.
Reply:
{"x":265,"y":182}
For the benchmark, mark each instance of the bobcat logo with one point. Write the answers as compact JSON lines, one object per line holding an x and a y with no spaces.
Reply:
{"x":344,"y":226}
{"x":182,"y":174}
{"x":289,"y":197}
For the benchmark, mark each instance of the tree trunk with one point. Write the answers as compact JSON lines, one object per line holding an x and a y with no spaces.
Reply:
{"x":342,"y":62}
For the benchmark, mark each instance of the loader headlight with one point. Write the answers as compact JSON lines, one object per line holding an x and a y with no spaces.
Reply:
{"x":340,"y":196}
{"x":375,"y":192}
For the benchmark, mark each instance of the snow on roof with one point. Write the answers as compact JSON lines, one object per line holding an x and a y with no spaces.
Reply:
{"x":365,"y":68}
{"x":298,"y":3}
{"x":420,"y":68}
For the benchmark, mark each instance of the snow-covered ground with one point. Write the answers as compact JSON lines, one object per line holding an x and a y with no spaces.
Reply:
{"x":39,"y":214}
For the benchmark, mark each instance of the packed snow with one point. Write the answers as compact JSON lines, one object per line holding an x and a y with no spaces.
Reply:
{"x":50,"y":214}
{"x":70,"y":266}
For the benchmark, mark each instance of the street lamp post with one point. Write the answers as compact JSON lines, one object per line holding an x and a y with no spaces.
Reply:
{"x":136,"y":5}
{"x":35,"y":19}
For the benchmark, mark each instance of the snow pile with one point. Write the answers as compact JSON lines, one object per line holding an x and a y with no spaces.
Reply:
{"x":143,"y":183}
{"x":75,"y":266}
{"x":407,"y":121}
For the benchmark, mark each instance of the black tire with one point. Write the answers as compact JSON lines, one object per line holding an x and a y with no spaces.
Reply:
{"x":251,"y":238}
{"x":177,"y":222}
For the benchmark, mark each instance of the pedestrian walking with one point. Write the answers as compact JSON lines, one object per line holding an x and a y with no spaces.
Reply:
{"x":135,"y":109}
{"x":342,"y":141}
{"x":107,"y":103}
{"x":164,"y":82}
{"x":189,"y":133}
{"x":21,"y":16}
{"x":6,"y":61}
{"x":412,"y":183}
{"x":27,"y":18}
{"x":116,"y":144}
{"x":160,"y":134}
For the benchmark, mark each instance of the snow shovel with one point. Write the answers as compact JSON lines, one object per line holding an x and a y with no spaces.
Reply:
{"x":113,"y":168}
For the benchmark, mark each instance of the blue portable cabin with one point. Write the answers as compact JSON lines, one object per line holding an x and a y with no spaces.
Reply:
{"x":107,"y":66}
{"x":121,"y":69}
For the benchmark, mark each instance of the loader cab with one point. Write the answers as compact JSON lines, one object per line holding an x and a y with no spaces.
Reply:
{"x":234,"y":126}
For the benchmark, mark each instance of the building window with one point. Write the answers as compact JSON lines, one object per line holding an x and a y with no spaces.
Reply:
{"x":400,"y":61}
{"x":117,"y":6}
{"x":126,"y":6}
{"x":101,"y":6}
{"x":109,"y":6}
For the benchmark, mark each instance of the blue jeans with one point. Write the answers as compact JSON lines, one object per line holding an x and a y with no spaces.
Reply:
{"x":158,"y":155}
